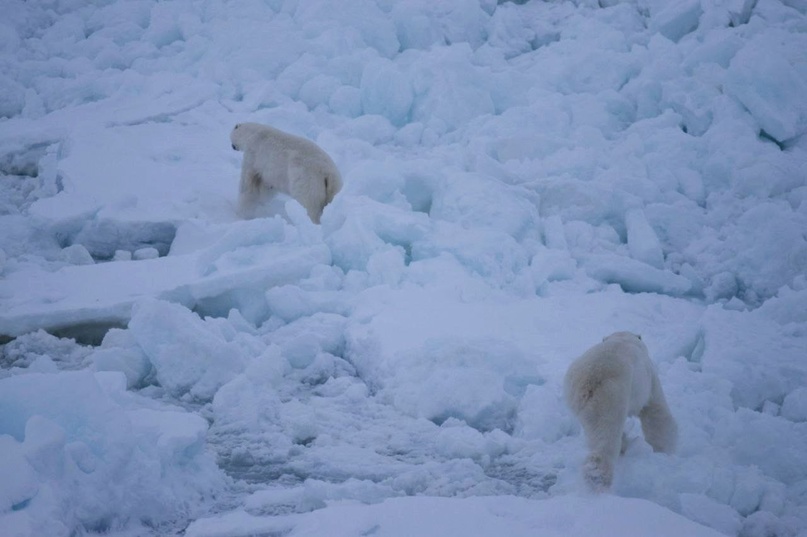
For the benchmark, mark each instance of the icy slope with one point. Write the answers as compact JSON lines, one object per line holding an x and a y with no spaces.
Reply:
{"x":521,"y":179}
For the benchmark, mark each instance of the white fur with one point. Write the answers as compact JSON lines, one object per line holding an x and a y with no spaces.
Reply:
{"x":609,"y":382}
{"x":275,"y":161}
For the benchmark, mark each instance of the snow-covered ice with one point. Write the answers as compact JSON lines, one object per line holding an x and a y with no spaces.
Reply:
{"x":566,"y":516}
{"x":521,"y":179}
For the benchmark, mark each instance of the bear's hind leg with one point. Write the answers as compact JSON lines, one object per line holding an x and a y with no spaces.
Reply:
{"x":603,"y":418}
{"x":658,"y":424}
{"x":308,"y":190}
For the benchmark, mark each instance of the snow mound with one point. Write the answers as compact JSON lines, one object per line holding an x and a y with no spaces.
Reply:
{"x":84,"y":453}
{"x":562,"y":516}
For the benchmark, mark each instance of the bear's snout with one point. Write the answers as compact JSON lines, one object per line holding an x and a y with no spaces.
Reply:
{"x":235,"y":147}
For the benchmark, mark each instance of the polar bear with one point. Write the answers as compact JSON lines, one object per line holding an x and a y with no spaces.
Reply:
{"x":275,"y":161}
{"x":609,"y":382}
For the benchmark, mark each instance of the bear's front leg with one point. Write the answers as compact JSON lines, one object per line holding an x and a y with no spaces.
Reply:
{"x":249,"y":193}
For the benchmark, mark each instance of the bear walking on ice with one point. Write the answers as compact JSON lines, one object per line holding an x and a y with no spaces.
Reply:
{"x":275,"y":161}
{"x":609,"y":382}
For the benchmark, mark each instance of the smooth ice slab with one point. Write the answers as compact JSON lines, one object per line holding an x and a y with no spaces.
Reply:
{"x":103,"y":294}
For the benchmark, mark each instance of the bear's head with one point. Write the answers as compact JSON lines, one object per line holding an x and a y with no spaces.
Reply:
{"x":235,"y":135}
{"x":623,"y":335}
{"x":627,"y":338}
{"x":243,"y":133}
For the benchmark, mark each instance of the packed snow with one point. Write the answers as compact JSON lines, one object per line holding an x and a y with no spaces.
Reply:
{"x":521,"y":179}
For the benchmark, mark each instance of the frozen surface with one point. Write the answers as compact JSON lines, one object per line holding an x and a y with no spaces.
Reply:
{"x":566,"y":516}
{"x":521,"y":179}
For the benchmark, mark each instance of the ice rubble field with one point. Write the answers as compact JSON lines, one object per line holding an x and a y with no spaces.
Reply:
{"x":521,"y":179}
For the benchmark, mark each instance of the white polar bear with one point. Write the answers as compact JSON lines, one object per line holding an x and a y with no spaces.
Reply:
{"x":275,"y":161}
{"x":609,"y":382}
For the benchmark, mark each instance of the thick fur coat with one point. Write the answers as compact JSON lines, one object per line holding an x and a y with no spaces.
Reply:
{"x":275,"y":161}
{"x":609,"y":382}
